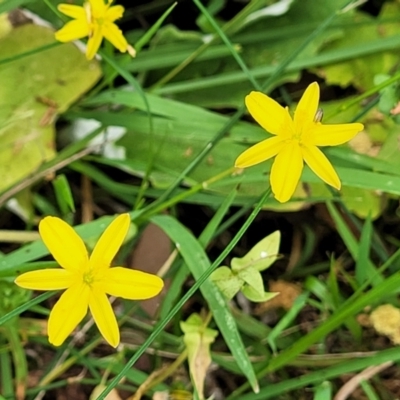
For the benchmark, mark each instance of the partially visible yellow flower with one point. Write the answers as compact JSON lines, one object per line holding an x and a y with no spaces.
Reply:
{"x":95,"y":20}
{"x":88,"y":280}
{"x":294,"y":141}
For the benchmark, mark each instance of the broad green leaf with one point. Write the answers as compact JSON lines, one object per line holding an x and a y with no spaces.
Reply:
{"x":262,"y":255}
{"x":228,"y":282}
{"x":34,"y":90}
{"x":253,"y":278}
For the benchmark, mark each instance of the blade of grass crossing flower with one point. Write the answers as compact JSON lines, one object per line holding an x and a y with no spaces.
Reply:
{"x":204,"y":238}
{"x":228,"y":43}
{"x":363,"y":252}
{"x":198,"y":264}
{"x":351,"y":243}
{"x":163,"y":323}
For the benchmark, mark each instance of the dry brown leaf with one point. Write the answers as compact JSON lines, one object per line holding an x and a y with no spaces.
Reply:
{"x":288,"y":292}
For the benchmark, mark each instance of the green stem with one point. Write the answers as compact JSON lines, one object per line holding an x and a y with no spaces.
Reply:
{"x":19,"y":359}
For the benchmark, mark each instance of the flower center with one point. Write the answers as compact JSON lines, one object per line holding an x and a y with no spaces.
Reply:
{"x":88,"y":278}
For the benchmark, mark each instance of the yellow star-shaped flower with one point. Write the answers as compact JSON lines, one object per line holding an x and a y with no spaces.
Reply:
{"x":294,"y":141}
{"x":95,"y":20}
{"x":88,"y":280}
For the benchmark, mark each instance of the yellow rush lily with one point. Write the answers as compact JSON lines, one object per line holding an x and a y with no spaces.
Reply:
{"x":95,"y":20}
{"x":88,"y":280}
{"x":294,"y":141}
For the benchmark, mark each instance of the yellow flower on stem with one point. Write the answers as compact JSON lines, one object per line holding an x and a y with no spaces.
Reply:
{"x":95,"y":20}
{"x":294,"y":141}
{"x":88,"y":280}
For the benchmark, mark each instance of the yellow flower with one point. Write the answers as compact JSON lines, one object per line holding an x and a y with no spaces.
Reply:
{"x":88,"y":280}
{"x":294,"y":141}
{"x":95,"y":20}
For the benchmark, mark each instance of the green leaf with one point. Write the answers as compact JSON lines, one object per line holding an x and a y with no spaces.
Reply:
{"x":198,"y":340}
{"x":64,"y":196}
{"x":262,"y":255}
{"x":253,"y":278}
{"x":255,"y":296}
{"x":228,"y":282}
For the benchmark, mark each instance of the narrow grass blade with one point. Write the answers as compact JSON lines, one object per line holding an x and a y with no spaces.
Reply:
{"x":155,"y":27}
{"x":351,"y":243}
{"x":229,"y":45}
{"x":285,"y":321}
{"x":363,"y":252}
{"x":323,"y":391}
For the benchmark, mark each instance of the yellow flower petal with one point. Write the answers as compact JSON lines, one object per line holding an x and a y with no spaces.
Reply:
{"x":109,"y":243}
{"x":320,"y":165}
{"x":46,"y":279}
{"x":104,"y":317}
{"x":94,"y":42}
{"x":131,"y":284}
{"x":98,"y":7}
{"x":67,"y":313}
{"x":260,"y":152}
{"x":267,"y":112}
{"x":114,"y":35}
{"x":72,"y":11}
{"x":114,"y":13}
{"x":63,"y":243}
{"x":286,"y":171}
{"x":307,"y":108}
{"x":333,"y":135}
{"x":72,"y":30}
